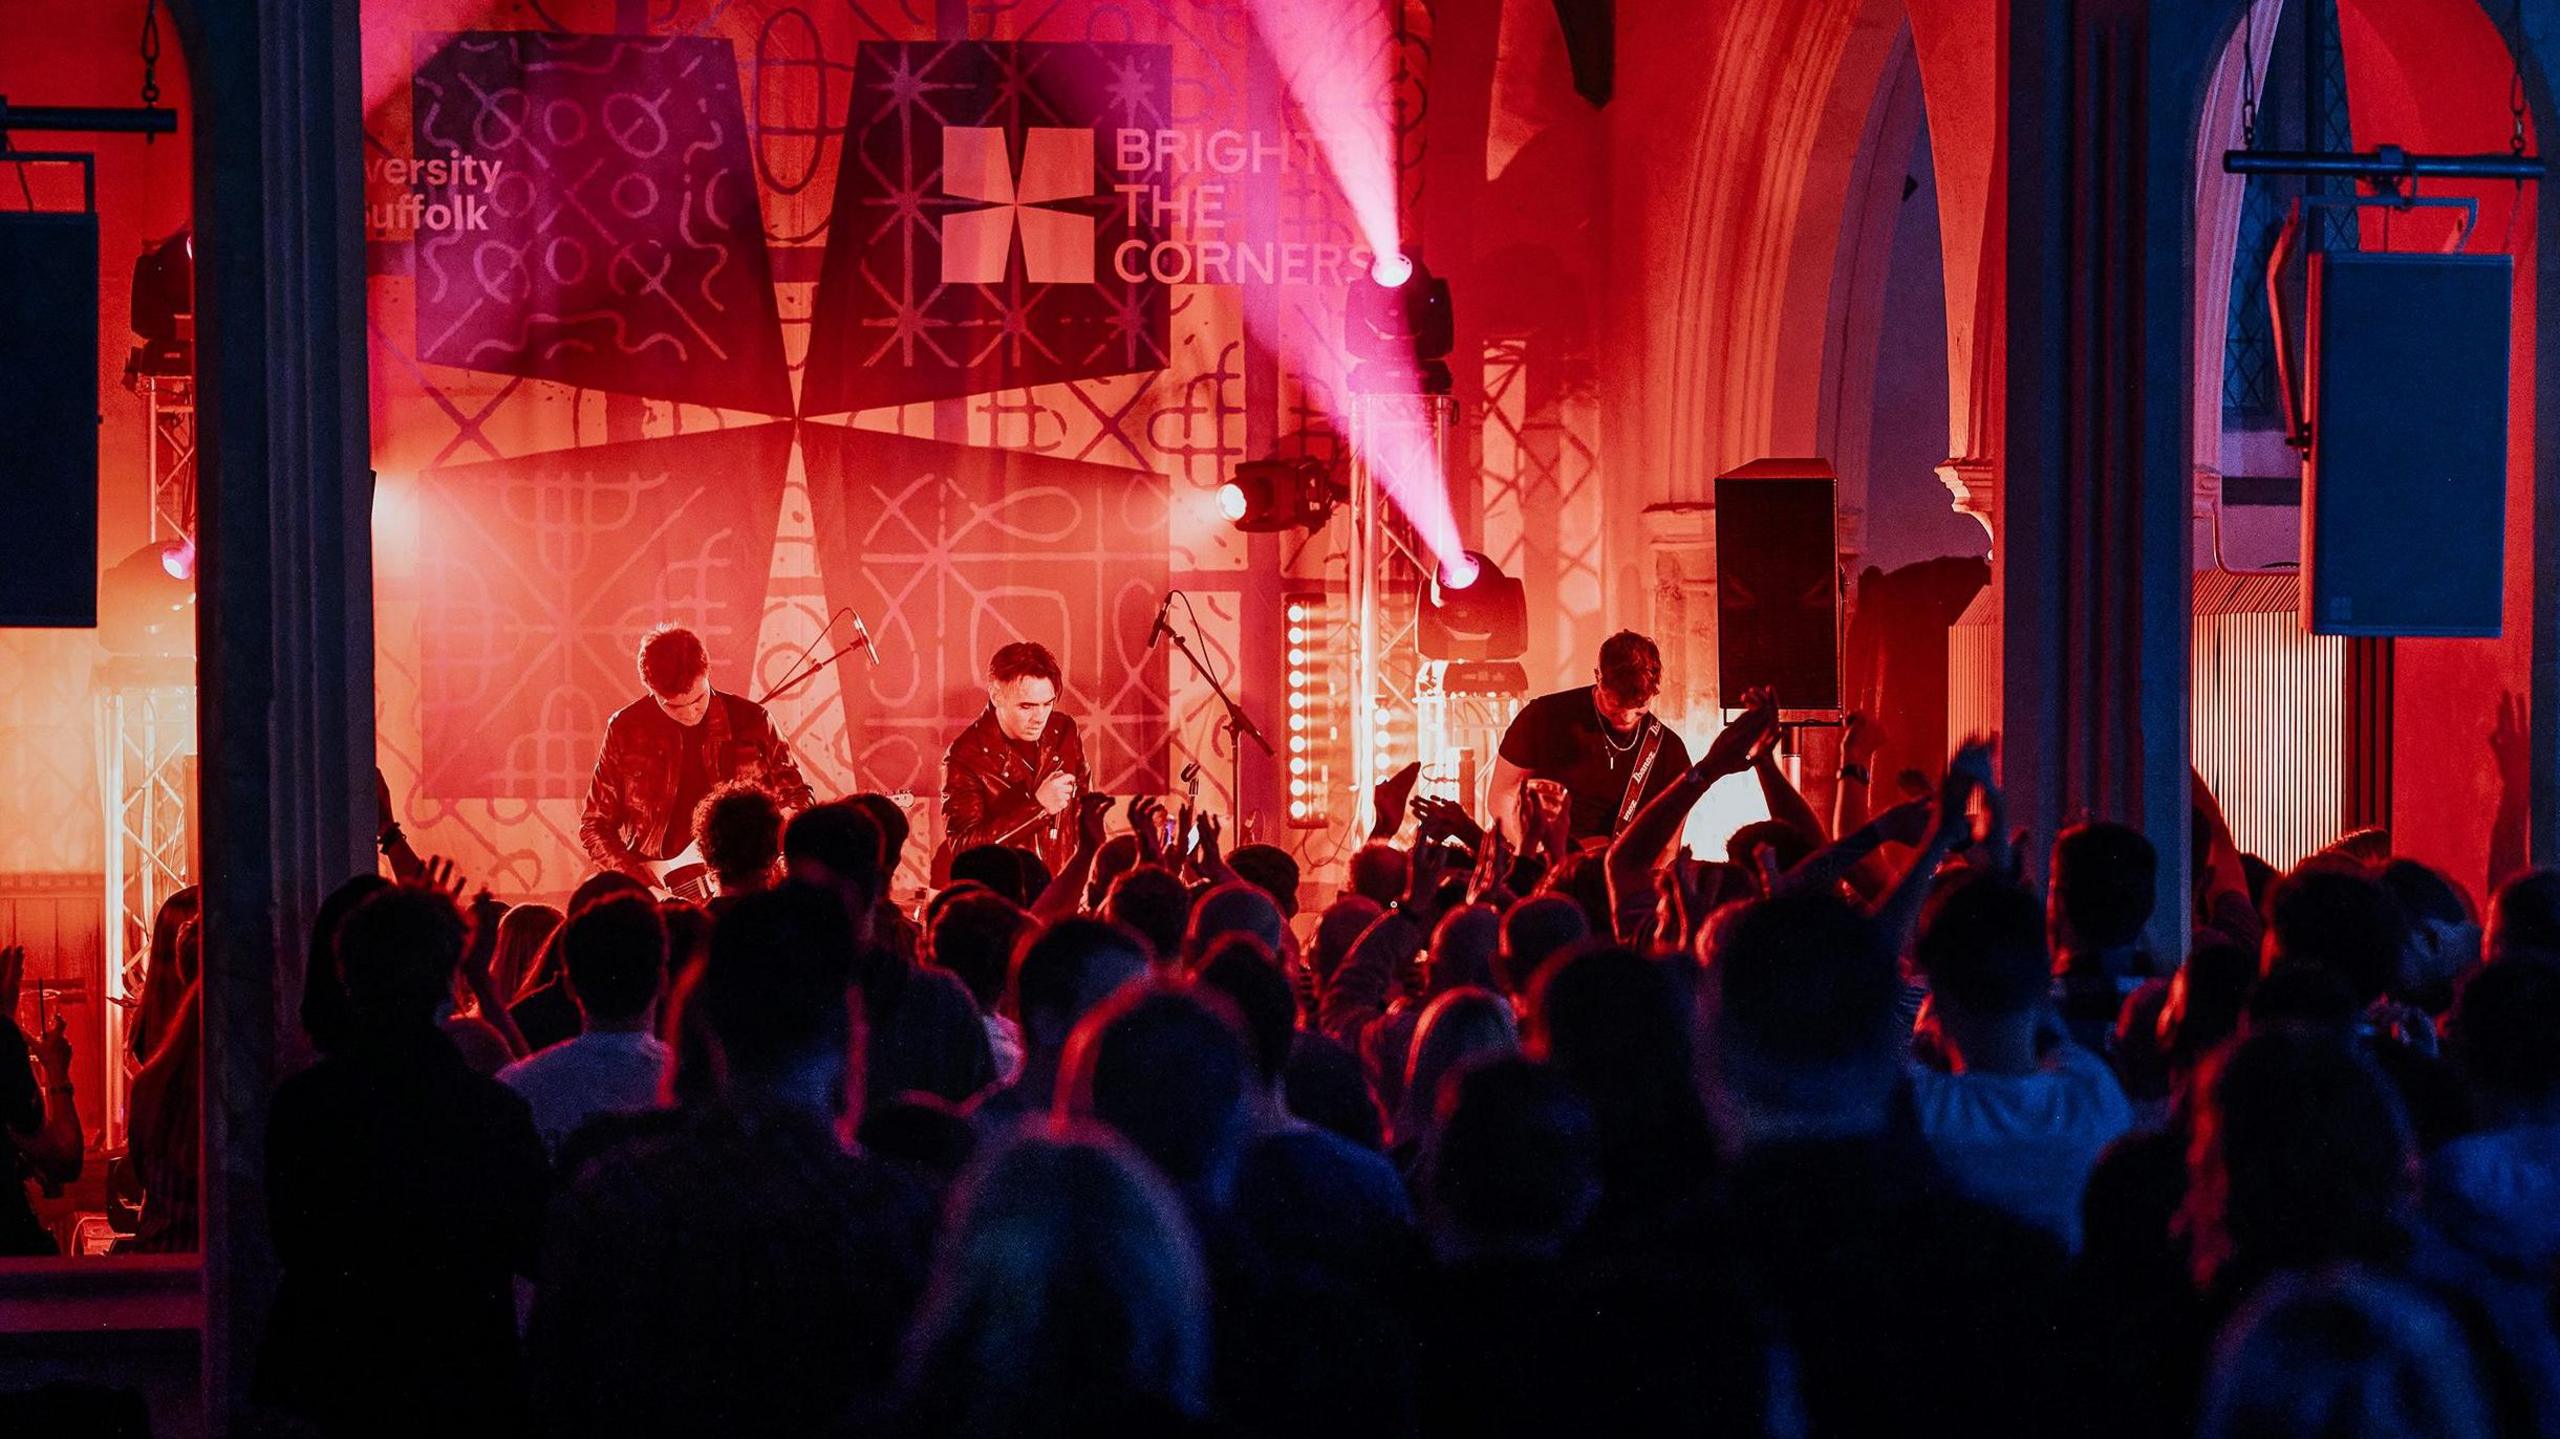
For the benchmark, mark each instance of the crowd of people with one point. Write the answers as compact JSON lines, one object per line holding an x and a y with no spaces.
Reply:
{"x":1854,"y":1129}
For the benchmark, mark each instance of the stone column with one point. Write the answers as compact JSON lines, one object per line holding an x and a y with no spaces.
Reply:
{"x":1680,"y":563}
{"x":285,"y":603}
{"x":2093,"y":514}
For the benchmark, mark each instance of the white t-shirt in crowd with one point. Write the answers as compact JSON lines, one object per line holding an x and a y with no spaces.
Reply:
{"x":592,"y":1074}
{"x":2025,"y":1143}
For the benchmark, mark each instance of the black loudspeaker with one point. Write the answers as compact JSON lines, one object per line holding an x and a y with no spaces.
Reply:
{"x":48,"y":420}
{"x":1778,"y":583}
{"x":2404,"y":513}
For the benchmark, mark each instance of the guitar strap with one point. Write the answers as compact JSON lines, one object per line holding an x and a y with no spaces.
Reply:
{"x":1633,"y":799}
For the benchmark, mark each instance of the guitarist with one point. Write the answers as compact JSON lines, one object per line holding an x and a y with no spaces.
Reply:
{"x":1013,"y":775}
{"x":1599,"y":743}
{"x":666,"y":751}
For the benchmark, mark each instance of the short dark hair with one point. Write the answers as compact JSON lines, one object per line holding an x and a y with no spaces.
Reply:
{"x":2315,"y":1153}
{"x":839,"y":836}
{"x":1151,"y":900}
{"x":1617,"y":1024}
{"x":739,"y":827}
{"x":1232,"y":908}
{"x":895,"y":828}
{"x":1788,"y":846}
{"x":1243,"y":969}
{"x":398,"y":951}
{"x":688,"y":934}
{"x":1378,"y":871}
{"x":2106,"y":879}
{"x":1804,"y":987}
{"x":974,"y":937}
{"x":1982,"y":944}
{"x":1631,"y":666}
{"x":1268,"y":867}
{"x":2342,"y":921}
{"x":1519,"y":1154}
{"x":1165,"y":1066}
{"x":773,"y":992}
{"x":2524,"y":915}
{"x":1025,"y":660}
{"x":2506,"y":1029}
{"x":1534,"y":930}
{"x":671,"y":659}
{"x":1009,"y":870}
{"x":1073,"y":965}
{"x":617,"y":956}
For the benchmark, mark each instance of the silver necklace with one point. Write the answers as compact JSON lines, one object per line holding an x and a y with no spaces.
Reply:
{"x":1604,"y":731}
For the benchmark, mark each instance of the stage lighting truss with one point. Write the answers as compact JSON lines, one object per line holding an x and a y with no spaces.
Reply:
{"x":1319,"y":759}
{"x":146,"y":745}
{"x":1397,"y":712}
{"x":171,"y":400}
{"x":1277,"y":495}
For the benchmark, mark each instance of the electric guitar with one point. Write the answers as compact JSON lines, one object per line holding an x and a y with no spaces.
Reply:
{"x":686,"y":875}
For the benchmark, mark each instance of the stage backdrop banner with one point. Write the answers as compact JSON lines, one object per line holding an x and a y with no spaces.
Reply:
{"x":953,"y":551}
{"x":540,"y":575}
{"x":987,"y":232}
{"x":584,"y":208}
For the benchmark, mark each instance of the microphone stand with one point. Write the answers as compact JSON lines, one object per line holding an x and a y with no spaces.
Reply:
{"x":861,"y":637}
{"x":1238,"y":725}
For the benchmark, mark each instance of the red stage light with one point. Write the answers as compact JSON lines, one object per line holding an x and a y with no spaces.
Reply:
{"x":1391,"y":270}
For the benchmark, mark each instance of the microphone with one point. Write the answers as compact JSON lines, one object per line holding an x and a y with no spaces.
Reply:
{"x":864,"y":631}
{"x":1160,"y":629}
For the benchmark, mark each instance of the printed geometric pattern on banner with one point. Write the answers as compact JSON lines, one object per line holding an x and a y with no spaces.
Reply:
{"x":540,"y":574}
{"x":979,"y":240}
{"x":585,"y":210}
{"x":951,"y":552}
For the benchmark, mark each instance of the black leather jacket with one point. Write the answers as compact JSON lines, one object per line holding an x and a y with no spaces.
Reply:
{"x":642,"y":763}
{"x":988,"y":797}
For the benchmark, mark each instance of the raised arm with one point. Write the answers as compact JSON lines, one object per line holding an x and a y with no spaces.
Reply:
{"x":1950,"y":826}
{"x":1786,"y":804}
{"x":1642,"y":845}
{"x":1502,"y":798}
{"x":1854,"y":796}
{"x":1361,"y":986}
{"x":1066,"y":891}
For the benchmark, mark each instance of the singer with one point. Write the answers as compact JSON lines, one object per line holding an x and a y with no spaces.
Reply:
{"x":666,"y":750}
{"x":1013,"y":775}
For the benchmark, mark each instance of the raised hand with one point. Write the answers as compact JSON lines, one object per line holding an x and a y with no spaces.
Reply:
{"x":1091,"y":812}
{"x":1146,"y":821}
{"x":1205,"y":854}
{"x":1056,"y":792}
{"x":1860,"y":738}
{"x":1445,"y":819}
{"x":2510,"y":745}
{"x":439,"y":876}
{"x":1388,"y":800}
{"x":1731,"y":752}
{"x":1969,"y":770}
{"x":1429,"y":865}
